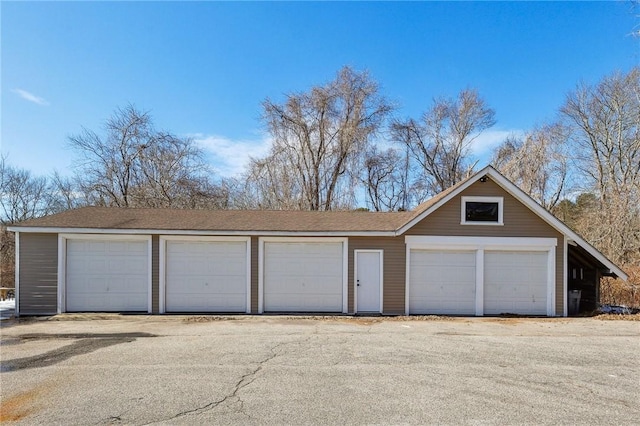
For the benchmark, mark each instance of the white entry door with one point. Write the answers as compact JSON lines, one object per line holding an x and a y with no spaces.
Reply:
{"x":368,"y":281}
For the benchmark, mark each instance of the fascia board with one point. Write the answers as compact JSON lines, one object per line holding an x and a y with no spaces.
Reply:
{"x":59,"y":230}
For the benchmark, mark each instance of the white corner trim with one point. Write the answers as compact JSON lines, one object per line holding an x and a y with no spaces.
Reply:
{"x":248,"y":301}
{"x":381,"y":281}
{"x":565,"y":278}
{"x":16,"y":272}
{"x":551,"y":282}
{"x":62,"y":274}
{"x":407,"y":279}
{"x":481,"y":199}
{"x":162,"y":274}
{"x":345,"y":276}
{"x":260,"y":275}
{"x":479,"y":282}
{"x":150,"y":274}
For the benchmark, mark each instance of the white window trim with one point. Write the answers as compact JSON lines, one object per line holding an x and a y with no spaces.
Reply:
{"x":62,"y":262}
{"x":345,"y":264}
{"x":162,"y":255}
{"x":480,"y":245}
{"x":465,"y":200}
{"x":355,"y":277}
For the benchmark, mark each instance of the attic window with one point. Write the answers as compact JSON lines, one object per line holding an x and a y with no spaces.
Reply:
{"x":482,"y":211}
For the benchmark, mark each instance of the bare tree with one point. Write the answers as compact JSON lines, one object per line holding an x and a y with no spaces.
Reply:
{"x":133,"y":164}
{"x":440,"y":143}
{"x":537,"y":163}
{"x":108,"y":165}
{"x":605,"y":119}
{"x":269,"y":185}
{"x":385,"y":179}
{"x":605,"y":123}
{"x":319,"y":138}
{"x":22,"y":195}
{"x":64,"y":193}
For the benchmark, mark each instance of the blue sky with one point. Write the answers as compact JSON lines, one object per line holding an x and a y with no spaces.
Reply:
{"x":203,"y":68}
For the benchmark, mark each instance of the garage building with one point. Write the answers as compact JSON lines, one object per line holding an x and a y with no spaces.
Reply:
{"x":483,"y":247}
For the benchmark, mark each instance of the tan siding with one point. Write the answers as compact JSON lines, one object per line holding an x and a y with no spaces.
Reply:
{"x":155,"y":274}
{"x":254,"y":275}
{"x":393,"y":270}
{"x":38,"y":274}
{"x":518,"y":220}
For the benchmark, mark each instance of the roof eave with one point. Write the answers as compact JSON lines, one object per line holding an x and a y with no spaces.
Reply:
{"x":140,"y":231}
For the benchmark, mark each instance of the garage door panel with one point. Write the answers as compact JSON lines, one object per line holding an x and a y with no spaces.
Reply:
{"x":205,"y":303}
{"x":303,"y":277}
{"x":206,"y":276}
{"x":287,"y":302}
{"x":442,"y":282}
{"x":109,"y":276}
{"x":515,"y":282}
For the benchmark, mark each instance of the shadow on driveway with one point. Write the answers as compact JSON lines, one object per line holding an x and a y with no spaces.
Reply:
{"x":87,"y":343}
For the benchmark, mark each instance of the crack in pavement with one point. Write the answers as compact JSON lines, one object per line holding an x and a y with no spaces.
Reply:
{"x":244,"y":381}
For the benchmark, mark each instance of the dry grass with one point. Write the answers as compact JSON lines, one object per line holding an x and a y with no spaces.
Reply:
{"x":618,"y":292}
{"x":618,"y":317}
{"x":208,"y":318}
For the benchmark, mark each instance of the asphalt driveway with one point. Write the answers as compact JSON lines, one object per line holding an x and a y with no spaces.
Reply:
{"x":275,"y":370}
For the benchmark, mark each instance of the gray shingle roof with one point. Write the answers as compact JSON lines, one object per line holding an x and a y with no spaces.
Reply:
{"x":222,"y":220}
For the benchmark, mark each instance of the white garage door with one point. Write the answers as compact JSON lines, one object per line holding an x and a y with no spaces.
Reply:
{"x":303,"y":277}
{"x":206,"y":276}
{"x":442,"y":282}
{"x":107,"y":275}
{"x":515,"y":282}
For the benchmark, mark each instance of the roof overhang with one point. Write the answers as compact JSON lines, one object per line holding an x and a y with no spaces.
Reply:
{"x":60,"y":230}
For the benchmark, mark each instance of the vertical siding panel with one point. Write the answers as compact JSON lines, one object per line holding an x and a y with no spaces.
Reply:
{"x":254,"y":275}
{"x":38,"y":274}
{"x":350,"y":275}
{"x":560,"y":277}
{"x":155,"y":274}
